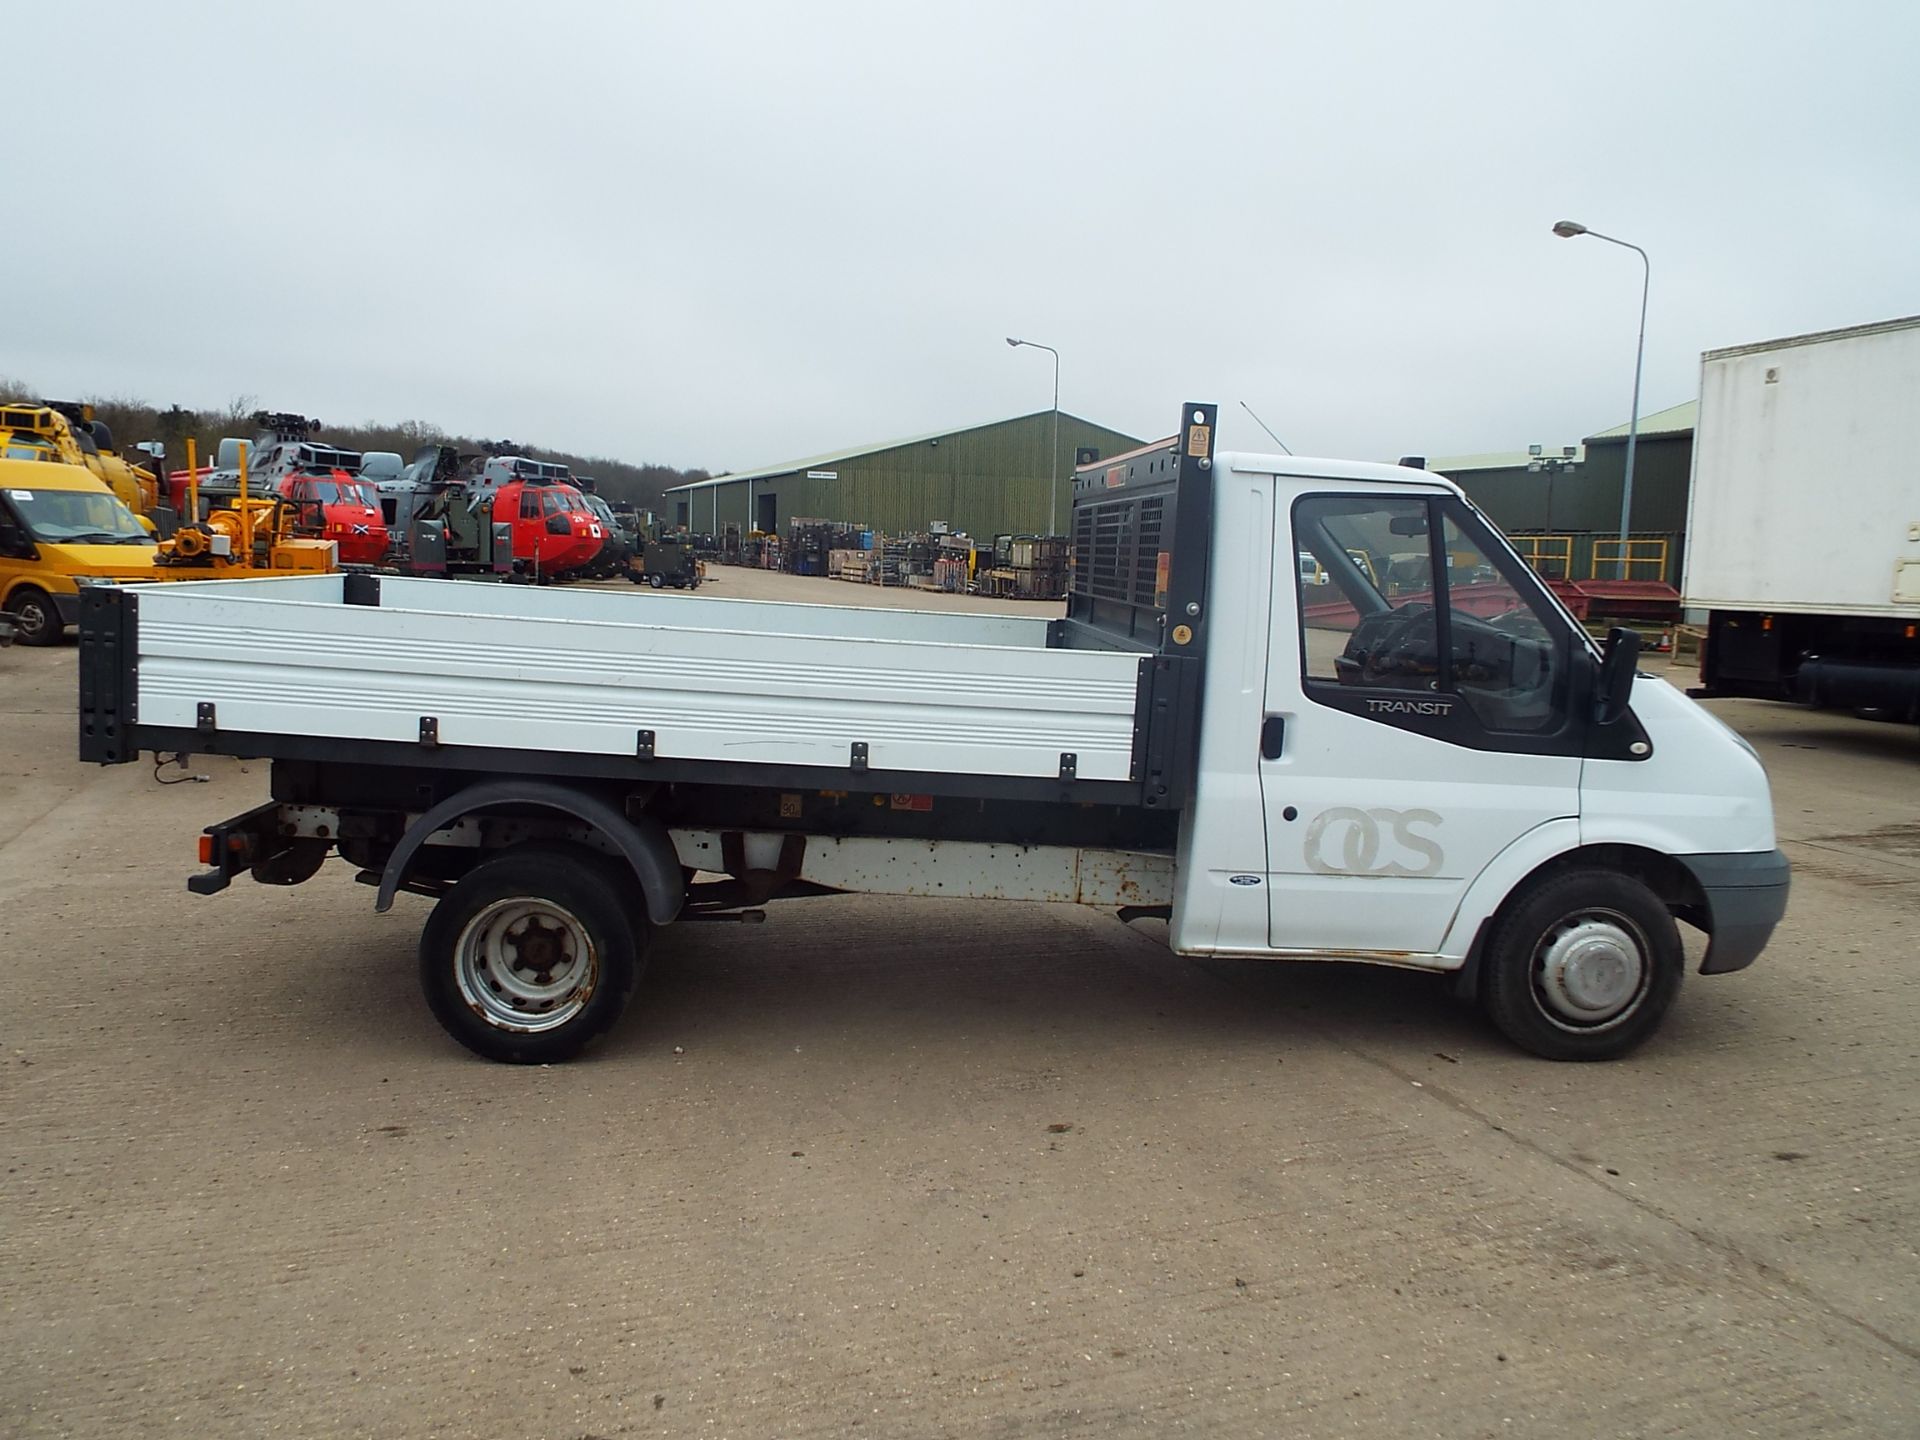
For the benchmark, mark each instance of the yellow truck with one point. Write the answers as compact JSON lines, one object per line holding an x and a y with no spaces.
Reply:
{"x":62,"y":530}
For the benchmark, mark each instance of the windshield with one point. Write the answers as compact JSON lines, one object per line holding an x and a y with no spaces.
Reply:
{"x":335,"y":492}
{"x":69,"y":517}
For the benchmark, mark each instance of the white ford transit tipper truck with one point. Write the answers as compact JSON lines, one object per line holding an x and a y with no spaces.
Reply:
{"x":1426,"y":766}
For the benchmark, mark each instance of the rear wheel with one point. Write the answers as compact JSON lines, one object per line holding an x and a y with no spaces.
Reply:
{"x":657,"y":580}
{"x":36,"y":617}
{"x":534,"y":954}
{"x":1582,"y":966}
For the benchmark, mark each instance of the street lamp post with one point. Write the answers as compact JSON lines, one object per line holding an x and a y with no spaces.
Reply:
{"x":1567,"y":230}
{"x":1540,"y":463}
{"x":1053,"y":491}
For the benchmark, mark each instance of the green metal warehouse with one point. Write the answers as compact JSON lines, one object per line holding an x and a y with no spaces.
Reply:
{"x":983,"y":480}
{"x":1579,"y":495}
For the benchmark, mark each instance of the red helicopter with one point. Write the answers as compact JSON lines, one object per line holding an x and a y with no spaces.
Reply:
{"x":320,"y":483}
{"x":551,"y":530}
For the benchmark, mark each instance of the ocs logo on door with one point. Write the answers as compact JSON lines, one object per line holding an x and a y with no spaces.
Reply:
{"x":1349,"y":841}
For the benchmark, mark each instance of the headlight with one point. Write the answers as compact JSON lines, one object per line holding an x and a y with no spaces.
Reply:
{"x":88,"y":582}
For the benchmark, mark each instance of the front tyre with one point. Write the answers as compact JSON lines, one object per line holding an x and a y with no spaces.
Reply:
{"x":1583,"y":965}
{"x":534,"y":953}
{"x":36,"y":617}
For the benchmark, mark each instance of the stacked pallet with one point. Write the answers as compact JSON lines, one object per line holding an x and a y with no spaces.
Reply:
{"x":849,"y":565}
{"x":1036,"y":566}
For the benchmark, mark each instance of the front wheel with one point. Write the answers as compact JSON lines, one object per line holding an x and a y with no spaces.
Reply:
{"x":1583,"y":965}
{"x":36,"y":617}
{"x":657,"y":580}
{"x":534,"y":954}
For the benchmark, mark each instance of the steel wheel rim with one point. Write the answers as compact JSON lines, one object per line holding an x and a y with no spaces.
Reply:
{"x":1591,"y":970}
{"x":526,"y":965}
{"x":34,"y":617}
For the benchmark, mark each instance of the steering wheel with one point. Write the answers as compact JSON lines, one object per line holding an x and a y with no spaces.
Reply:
{"x":1518,"y":622}
{"x":1395,"y":647}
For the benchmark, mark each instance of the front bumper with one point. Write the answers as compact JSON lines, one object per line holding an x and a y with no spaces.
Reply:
{"x":1746,"y":894}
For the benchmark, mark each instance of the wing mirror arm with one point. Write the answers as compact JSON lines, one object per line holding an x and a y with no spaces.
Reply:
{"x":1618,"y":662}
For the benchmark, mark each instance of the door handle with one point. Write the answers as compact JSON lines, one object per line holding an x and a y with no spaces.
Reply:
{"x":1273,"y":737}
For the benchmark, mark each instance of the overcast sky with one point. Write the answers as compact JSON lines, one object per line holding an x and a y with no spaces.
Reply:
{"x":721,"y":235}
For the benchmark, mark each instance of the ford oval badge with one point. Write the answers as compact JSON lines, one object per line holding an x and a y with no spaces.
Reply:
{"x":1243,"y":879}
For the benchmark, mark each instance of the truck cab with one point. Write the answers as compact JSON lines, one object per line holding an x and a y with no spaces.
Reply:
{"x":61,"y":531}
{"x":1392,"y":760}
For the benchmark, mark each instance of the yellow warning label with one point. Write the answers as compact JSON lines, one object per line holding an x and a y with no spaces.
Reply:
{"x":1199,"y":439}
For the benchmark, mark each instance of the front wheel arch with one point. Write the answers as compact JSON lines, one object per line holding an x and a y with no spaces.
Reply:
{"x":1676,"y":886}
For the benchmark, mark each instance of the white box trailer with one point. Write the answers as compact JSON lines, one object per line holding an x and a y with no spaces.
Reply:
{"x":1803,"y":529}
{"x":1424,"y":766}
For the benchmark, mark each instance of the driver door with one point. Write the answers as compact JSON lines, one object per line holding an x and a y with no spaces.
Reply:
{"x":1421,"y":717}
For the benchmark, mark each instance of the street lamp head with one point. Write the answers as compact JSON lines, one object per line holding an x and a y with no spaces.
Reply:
{"x":1567,"y":229}
{"x":1012,"y":341}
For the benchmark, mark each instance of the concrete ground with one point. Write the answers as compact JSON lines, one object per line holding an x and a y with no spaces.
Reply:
{"x":931,"y":1168}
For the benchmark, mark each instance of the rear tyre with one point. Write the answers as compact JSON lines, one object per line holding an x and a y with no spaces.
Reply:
{"x":36,"y":617}
{"x":534,"y":954}
{"x":1583,"y":965}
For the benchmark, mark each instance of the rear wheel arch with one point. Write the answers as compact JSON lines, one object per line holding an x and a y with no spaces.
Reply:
{"x":642,"y":842}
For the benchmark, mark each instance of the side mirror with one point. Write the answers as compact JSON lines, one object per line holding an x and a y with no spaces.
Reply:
{"x":1617,"y":664}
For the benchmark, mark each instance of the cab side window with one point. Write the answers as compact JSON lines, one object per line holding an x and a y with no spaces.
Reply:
{"x":1367,"y":616}
{"x":1416,"y":597}
{"x":529,"y":504}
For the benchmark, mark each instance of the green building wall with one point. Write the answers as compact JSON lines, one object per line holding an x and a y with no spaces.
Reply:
{"x":993,"y":479}
{"x":1587,"y":501}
